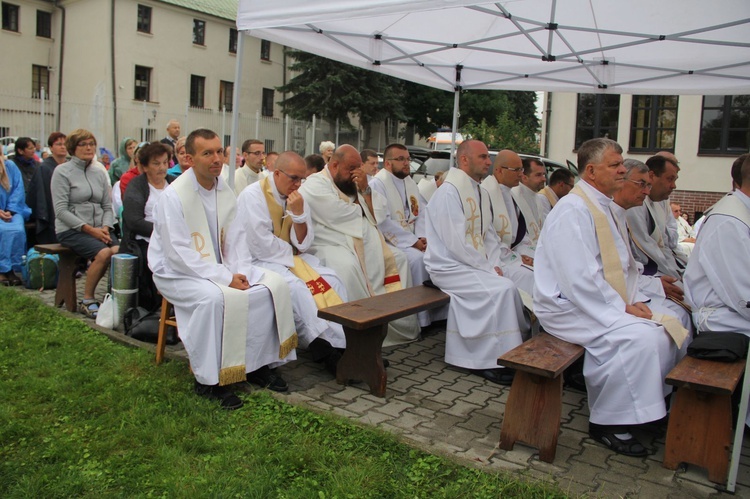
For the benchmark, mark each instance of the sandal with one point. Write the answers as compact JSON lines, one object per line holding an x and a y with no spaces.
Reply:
{"x":607,"y":435}
{"x":89,"y":307}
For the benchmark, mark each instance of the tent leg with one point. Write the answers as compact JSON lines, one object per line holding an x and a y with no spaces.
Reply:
{"x":454,"y":126}
{"x":235,"y":107}
{"x":739,"y":431}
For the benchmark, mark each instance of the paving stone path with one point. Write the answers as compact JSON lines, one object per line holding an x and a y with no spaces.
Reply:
{"x":447,"y":411}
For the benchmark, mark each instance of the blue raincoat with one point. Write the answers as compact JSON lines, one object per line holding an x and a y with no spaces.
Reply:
{"x":13,"y":233}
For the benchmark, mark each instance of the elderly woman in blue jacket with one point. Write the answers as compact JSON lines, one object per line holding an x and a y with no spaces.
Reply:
{"x":13,"y":213}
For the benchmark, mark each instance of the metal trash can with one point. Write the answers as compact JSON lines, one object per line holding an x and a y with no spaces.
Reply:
{"x":124,"y":283}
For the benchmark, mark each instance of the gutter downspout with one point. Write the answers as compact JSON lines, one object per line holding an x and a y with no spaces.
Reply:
{"x":114,"y":73}
{"x":61,"y":66}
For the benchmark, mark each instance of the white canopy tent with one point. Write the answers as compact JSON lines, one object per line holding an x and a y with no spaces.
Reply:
{"x":607,"y":46}
{"x":601,"y":46}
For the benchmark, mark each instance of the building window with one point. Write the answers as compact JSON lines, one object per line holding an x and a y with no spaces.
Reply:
{"x":39,"y":80}
{"x":226,"y":89}
{"x":10,"y":17}
{"x":197,"y":90}
{"x":597,"y":117}
{"x":654,"y":123}
{"x":232,"y":41}
{"x":725,"y":125}
{"x":148,"y":134}
{"x":265,"y":50}
{"x":268,"y":144}
{"x":4,"y":131}
{"x":267,"y":104}
{"x":144,"y":19}
{"x":142,"y":83}
{"x":43,"y":24}
{"x":199,"y":32}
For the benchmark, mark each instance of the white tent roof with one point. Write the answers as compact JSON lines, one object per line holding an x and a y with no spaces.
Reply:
{"x":612,"y":46}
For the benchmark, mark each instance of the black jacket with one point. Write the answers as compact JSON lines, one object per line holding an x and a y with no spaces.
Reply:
{"x":134,"y":212}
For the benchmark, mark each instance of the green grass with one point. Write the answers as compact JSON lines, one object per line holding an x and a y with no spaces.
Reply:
{"x":83,"y":416}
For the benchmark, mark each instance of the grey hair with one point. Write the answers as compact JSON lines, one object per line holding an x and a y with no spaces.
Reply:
{"x":635,"y":166}
{"x":326,"y":145}
{"x":592,"y":151}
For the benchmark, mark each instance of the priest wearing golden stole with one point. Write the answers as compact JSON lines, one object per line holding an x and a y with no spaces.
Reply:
{"x":347,"y":238}
{"x":276,"y":227}
{"x":235,"y":322}
{"x":464,"y":259}
{"x":586,"y":292}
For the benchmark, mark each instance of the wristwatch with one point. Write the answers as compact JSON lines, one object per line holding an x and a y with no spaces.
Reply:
{"x":366,"y":192}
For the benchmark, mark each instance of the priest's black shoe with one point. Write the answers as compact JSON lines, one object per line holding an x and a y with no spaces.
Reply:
{"x":617,"y":439}
{"x":224,"y":395}
{"x":500,"y":376}
{"x":265,"y":378}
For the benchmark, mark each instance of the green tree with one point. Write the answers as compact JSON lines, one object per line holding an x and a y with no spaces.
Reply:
{"x":334,"y":90}
{"x":505,"y":133}
{"x":428,"y":109}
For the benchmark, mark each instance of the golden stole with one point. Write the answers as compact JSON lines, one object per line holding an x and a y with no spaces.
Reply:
{"x":323,"y":294}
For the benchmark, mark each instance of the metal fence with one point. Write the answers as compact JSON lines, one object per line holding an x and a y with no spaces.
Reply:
{"x":38,"y":117}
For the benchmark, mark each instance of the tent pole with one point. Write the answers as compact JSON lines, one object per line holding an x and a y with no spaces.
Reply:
{"x":235,"y":108}
{"x":454,"y":126}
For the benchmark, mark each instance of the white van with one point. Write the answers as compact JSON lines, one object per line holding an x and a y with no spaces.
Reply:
{"x":441,"y":141}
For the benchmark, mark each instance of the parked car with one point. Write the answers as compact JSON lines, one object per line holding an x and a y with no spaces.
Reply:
{"x":414,"y":165}
{"x":551,"y":165}
{"x":440,"y":161}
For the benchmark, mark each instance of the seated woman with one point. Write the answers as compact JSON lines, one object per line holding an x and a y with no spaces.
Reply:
{"x":180,"y":155}
{"x":13,"y":213}
{"x":138,"y":215}
{"x":82,"y":198}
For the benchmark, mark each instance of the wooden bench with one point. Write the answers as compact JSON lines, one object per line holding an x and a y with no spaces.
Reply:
{"x":366,"y":325}
{"x":532,"y":412}
{"x":66,"y":280}
{"x":700,"y":421}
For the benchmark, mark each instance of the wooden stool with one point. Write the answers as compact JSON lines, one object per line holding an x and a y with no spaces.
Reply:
{"x":700,"y":421}
{"x":366,"y":325}
{"x":66,"y":281}
{"x":165,"y":320}
{"x":532,"y":412}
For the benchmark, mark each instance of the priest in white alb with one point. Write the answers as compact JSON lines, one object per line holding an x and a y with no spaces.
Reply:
{"x":515,"y":266}
{"x":716,"y":279}
{"x":235,"y":323}
{"x":561,"y":181}
{"x":533,"y":178}
{"x":652,"y":226}
{"x":253,"y":152}
{"x":400,"y":217}
{"x":463,"y":257}
{"x":347,"y":238}
{"x":277,"y":230}
{"x":632,"y":194}
{"x":586,"y":292}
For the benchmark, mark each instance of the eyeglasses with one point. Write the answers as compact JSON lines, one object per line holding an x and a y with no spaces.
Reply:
{"x":570,"y":184}
{"x":294,"y":178}
{"x":514,"y":170}
{"x":401,"y":158}
{"x":255,"y":153}
{"x":86,"y":144}
{"x":642,"y":184}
